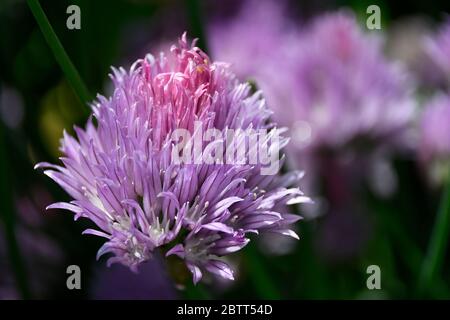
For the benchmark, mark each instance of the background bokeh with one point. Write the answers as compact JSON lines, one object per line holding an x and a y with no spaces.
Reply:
{"x":374,"y":205}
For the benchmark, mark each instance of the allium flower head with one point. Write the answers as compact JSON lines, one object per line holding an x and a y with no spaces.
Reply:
{"x":342,"y":86}
{"x":120,"y":172}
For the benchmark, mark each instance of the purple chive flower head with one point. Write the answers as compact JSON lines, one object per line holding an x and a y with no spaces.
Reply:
{"x":120,"y":174}
{"x":434,"y":142}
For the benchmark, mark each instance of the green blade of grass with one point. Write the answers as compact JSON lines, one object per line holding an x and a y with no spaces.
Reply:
{"x":71,"y":73}
{"x":432,"y":263}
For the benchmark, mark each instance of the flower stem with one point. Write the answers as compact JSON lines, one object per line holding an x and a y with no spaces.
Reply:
{"x":259,"y":276}
{"x":71,"y":73}
{"x":7,"y":213}
{"x":434,"y":257}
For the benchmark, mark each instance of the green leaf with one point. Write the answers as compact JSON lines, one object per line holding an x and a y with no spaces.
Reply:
{"x":71,"y":73}
{"x":432,"y":263}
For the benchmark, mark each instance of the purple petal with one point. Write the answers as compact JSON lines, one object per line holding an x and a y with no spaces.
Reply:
{"x":220,"y":268}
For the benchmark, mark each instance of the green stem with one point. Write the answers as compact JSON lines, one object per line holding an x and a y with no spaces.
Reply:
{"x":8,"y":215}
{"x":259,"y":276}
{"x":434,"y":257}
{"x":411,"y":254}
{"x":71,"y":73}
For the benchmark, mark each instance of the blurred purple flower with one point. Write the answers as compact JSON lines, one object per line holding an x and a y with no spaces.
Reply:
{"x":405,"y":43}
{"x":330,"y":78}
{"x":435,"y":128}
{"x":343,"y":85}
{"x":120,"y":174}
{"x":434,"y":146}
{"x":438,"y":49}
